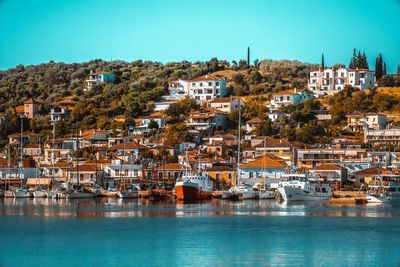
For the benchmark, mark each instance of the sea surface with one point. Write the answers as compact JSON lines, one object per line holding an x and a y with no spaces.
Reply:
{"x":112,"y":232}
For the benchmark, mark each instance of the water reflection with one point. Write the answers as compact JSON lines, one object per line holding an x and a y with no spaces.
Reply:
{"x":117,"y":208}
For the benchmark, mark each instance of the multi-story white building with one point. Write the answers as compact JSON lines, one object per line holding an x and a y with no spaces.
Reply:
{"x":386,"y":136}
{"x":227,"y":104}
{"x":177,"y":90}
{"x":361,"y":121}
{"x":207,"y":87}
{"x":99,"y":78}
{"x":331,"y":81}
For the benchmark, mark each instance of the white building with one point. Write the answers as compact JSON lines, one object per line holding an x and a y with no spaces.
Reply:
{"x":227,"y":104}
{"x":361,"y":121}
{"x":207,"y":87}
{"x":276,"y":115}
{"x":386,"y":136}
{"x":99,"y":78}
{"x":207,"y":119}
{"x":58,"y":114}
{"x":177,"y":90}
{"x":330,"y":81}
{"x":287,"y":97}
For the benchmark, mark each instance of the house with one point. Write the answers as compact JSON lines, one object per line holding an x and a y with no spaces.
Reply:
{"x":358,"y":121}
{"x":120,"y":172}
{"x":62,"y":110}
{"x":207,"y":87}
{"x":128,"y":151}
{"x":311,"y":158}
{"x":88,"y":174}
{"x":281,"y":148}
{"x":163,"y":105}
{"x":330,"y":172}
{"x":166,"y":172}
{"x":227,"y":139}
{"x":29,"y":108}
{"x":222,"y":175}
{"x":386,"y":136}
{"x":207,"y":119}
{"x":367,"y":174}
{"x":58,"y":171}
{"x":143,"y":124}
{"x":227,"y":104}
{"x":95,"y":138}
{"x":322,"y":114}
{"x":343,"y":143}
{"x":252,"y":124}
{"x":273,"y":115}
{"x":395,"y":160}
{"x":288,"y":97}
{"x":32,"y":150}
{"x":269,"y":167}
{"x":177,"y":90}
{"x":59,"y":149}
{"x":15,"y":138}
{"x":330,"y":81}
{"x":96,"y":78}
{"x":380,"y":159}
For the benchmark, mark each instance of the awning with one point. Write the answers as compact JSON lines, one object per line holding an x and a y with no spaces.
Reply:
{"x":38,"y":181}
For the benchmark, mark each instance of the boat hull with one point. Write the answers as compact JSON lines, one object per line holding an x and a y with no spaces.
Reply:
{"x":226,"y":195}
{"x":40,"y":194}
{"x":188,"y":192}
{"x":78,"y":195}
{"x":8,"y":193}
{"x":127,"y":194}
{"x":298,"y":194}
{"x":266,"y":195}
{"x":22,"y":194}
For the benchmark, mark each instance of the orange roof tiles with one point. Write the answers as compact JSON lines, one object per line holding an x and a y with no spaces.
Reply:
{"x":266,"y":162}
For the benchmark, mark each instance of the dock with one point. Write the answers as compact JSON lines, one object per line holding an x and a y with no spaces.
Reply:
{"x":348,"y":198}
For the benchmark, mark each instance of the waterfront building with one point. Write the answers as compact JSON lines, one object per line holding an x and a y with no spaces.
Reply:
{"x":120,"y":172}
{"x":330,"y":81}
{"x":330,"y":172}
{"x":165,"y":172}
{"x":221,"y":175}
{"x":267,"y":166}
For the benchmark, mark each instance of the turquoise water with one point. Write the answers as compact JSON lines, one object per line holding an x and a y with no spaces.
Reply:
{"x":214,"y":233}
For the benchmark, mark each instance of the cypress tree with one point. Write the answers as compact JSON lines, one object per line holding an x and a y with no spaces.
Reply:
{"x":353,"y":62}
{"x":384,"y":69}
{"x":398,"y":69}
{"x":323,"y":62}
{"x":359,"y":59}
{"x":378,"y":67}
{"x":364,"y":62}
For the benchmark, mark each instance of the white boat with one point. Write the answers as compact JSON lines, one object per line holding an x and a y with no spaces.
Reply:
{"x":22,"y":193}
{"x":244,"y":192}
{"x":226,"y":194}
{"x":8,"y":193}
{"x":40,"y":194}
{"x":297,"y":187}
{"x":384,"y":189}
{"x":50,"y":193}
{"x":266,"y":194}
{"x":127,"y":194}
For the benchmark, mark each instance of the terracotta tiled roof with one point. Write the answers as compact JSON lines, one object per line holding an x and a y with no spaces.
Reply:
{"x":220,"y":169}
{"x":275,"y":143}
{"x":3,"y":162}
{"x":372,"y":171}
{"x":29,"y":101}
{"x":266,"y":162}
{"x":208,"y":77}
{"x":20,"y":109}
{"x":288,"y":92}
{"x":255,"y":120}
{"x":170,"y":166}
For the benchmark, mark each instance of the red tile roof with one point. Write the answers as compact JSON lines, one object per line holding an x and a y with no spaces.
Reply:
{"x":266,"y":162}
{"x":208,"y":77}
{"x":372,"y":171}
{"x":327,"y":167}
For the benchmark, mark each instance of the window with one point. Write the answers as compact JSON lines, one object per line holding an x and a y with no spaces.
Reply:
{"x":216,"y":83}
{"x":160,"y":175}
{"x":217,"y":91}
{"x":149,"y":175}
{"x":209,"y":91}
{"x":209,"y":83}
{"x":176,"y":175}
{"x":135,"y":172}
{"x":126,"y":172}
{"x":208,"y":97}
{"x":193,"y":84}
{"x":169,"y":174}
{"x":116,"y":172}
{"x":201,"y":84}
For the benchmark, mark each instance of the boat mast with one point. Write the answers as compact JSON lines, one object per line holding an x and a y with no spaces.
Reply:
{"x":76,"y":154}
{"x":238,"y":156}
{"x":263,"y":164}
{"x":21,"y":151}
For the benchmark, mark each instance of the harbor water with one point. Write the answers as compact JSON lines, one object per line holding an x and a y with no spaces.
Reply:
{"x":112,"y":232}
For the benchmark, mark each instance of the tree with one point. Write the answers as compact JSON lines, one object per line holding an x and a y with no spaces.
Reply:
{"x":264,"y":128}
{"x":398,"y":69}
{"x":176,"y":133}
{"x":323,"y":62}
{"x":384,"y":69}
{"x":182,"y":107}
{"x":354,"y":60}
{"x":153,"y":125}
{"x":379,"y":67}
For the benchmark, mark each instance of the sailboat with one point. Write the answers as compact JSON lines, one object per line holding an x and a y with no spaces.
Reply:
{"x":264,"y":193}
{"x":21,"y":192}
{"x":123,"y":192}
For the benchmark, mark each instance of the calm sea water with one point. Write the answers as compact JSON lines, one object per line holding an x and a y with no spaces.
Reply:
{"x":214,"y":233}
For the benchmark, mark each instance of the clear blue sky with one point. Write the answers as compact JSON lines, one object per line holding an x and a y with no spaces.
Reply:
{"x":37,"y":31}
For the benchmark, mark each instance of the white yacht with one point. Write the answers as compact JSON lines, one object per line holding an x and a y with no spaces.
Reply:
{"x":22,"y":193}
{"x":297,"y":187}
{"x":40,"y":194}
{"x":383,"y":189}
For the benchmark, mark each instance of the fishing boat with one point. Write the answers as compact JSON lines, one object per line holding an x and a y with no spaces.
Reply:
{"x":266,"y":194}
{"x":22,"y":193}
{"x":297,"y":187}
{"x":384,"y":189}
{"x":128,"y":194}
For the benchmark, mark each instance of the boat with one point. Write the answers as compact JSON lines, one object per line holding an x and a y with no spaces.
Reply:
{"x":22,"y":193}
{"x":297,"y":187}
{"x":8,"y":193}
{"x":266,"y":194}
{"x":77,"y":194}
{"x":127,"y":194}
{"x":226,"y":194}
{"x":160,"y":193}
{"x":384,"y":189}
{"x":40,"y":193}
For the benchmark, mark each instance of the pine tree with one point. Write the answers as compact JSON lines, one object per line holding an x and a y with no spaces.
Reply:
{"x":384,"y":69}
{"x":353,"y":62}
{"x":323,"y":62}
{"x":378,"y":67}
